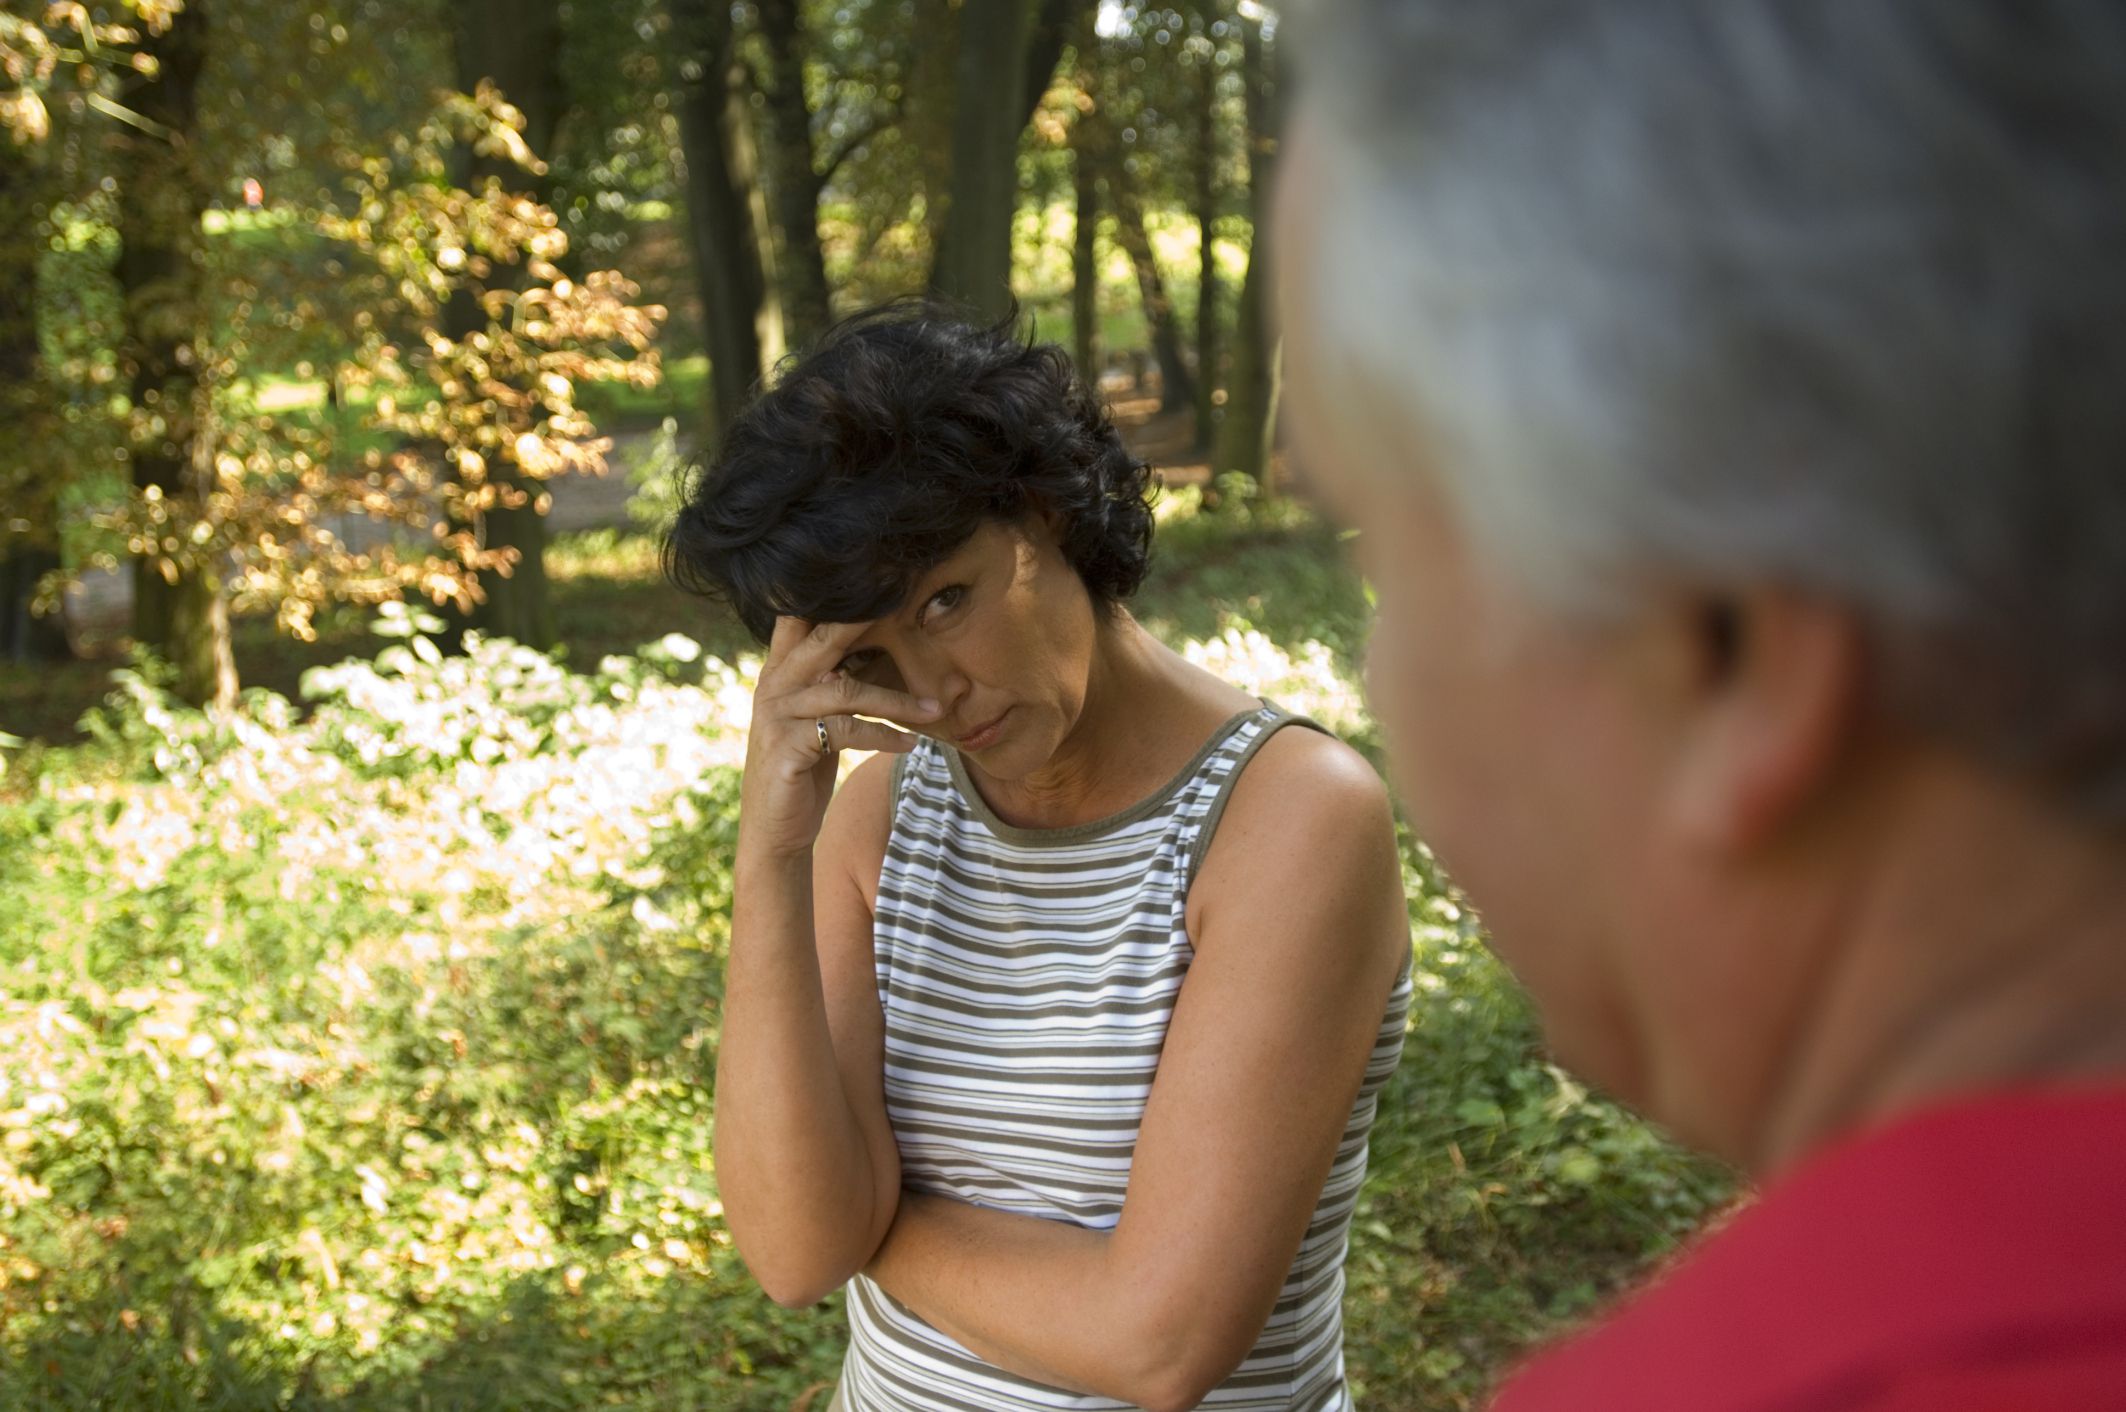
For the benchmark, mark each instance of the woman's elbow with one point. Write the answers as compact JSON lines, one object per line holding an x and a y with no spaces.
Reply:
{"x":1179,"y":1387}
{"x":1182,"y":1358}
{"x":794,"y":1281}
{"x":794,"y":1294}
{"x":797,"y":1276}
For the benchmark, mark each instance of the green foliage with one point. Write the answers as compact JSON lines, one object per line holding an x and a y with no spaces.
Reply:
{"x":1503,"y":1199}
{"x":361,"y":1048}
{"x":338,"y":1044}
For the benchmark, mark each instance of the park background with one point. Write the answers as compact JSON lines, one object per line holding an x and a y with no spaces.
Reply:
{"x":366,"y":797}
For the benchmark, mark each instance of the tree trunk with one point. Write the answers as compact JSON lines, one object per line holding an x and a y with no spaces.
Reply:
{"x":1249,"y":427}
{"x":768,"y":324}
{"x":161,"y":280}
{"x":928,"y":125}
{"x":29,"y":521}
{"x":515,"y":45}
{"x":26,"y":635}
{"x":1053,"y":27}
{"x":1177,"y":389}
{"x":973,"y":266}
{"x":202,"y":651}
{"x":1207,"y":263}
{"x":1085,"y":267}
{"x":726,"y":253}
{"x":793,"y":179}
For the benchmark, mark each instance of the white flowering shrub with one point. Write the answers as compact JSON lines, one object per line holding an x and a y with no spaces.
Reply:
{"x":407,"y":997}
{"x":1307,"y":680}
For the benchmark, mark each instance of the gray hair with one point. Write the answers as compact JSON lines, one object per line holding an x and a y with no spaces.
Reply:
{"x":1823,"y":293}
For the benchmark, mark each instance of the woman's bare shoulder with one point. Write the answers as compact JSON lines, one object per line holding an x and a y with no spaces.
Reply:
{"x":1306,"y":787}
{"x":1308,"y":815}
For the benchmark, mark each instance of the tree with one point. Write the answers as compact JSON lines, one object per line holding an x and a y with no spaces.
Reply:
{"x":1177,"y":385}
{"x":1205,"y":49}
{"x":1251,"y":403}
{"x":179,"y":608}
{"x":29,"y":530}
{"x":65,"y":58}
{"x":1085,"y":261}
{"x":1058,"y":25}
{"x":792,"y":177}
{"x":482,"y":404}
{"x":989,"y":110}
{"x":1131,"y":97}
{"x":470,"y":343}
{"x":724,"y":241}
{"x":513,"y":45}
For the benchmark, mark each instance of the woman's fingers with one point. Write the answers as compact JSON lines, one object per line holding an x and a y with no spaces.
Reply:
{"x":856,"y":733}
{"x":846,"y":696}
{"x":809,"y":649}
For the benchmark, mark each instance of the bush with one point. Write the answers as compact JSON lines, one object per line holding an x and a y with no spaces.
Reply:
{"x":360,"y":1049}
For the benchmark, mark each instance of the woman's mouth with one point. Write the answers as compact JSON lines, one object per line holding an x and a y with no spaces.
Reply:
{"x":983,"y":737}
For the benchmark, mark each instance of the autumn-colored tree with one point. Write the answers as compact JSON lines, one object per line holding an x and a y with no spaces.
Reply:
{"x":465,"y":418}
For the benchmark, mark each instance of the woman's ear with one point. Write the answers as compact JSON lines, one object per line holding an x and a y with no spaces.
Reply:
{"x":1042,"y":513}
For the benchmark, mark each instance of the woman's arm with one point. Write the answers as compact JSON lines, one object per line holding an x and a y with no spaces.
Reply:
{"x":1301,"y":927}
{"x":806,"y":1162}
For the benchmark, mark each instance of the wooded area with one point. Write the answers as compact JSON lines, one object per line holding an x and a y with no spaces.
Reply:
{"x":309,"y":302}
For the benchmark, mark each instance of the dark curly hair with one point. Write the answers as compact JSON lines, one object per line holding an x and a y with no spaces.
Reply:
{"x":884,"y":449}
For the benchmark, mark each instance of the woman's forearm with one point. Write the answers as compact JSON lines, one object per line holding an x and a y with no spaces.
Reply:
{"x":799,"y":1184}
{"x":1043,"y":1299}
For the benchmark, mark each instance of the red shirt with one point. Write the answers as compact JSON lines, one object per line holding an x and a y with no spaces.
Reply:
{"x":1970,"y":1258}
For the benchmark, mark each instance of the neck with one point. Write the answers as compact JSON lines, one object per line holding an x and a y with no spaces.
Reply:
{"x":1988,"y":951}
{"x":1099,"y":766}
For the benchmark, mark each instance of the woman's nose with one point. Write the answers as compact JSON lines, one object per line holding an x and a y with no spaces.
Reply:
{"x":935,"y":681}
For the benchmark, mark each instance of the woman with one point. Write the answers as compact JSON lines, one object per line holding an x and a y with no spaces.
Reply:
{"x":1058,"y":1030}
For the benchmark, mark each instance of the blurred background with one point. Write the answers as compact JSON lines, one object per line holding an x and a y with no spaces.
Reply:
{"x":289,"y":286}
{"x":366,"y":798}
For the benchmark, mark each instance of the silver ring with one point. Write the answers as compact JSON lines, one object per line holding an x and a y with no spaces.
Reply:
{"x":824,"y":748}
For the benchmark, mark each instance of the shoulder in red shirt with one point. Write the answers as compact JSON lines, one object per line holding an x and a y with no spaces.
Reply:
{"x":1968,"y":1258}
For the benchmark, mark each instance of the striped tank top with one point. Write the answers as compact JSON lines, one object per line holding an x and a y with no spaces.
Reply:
{"x":1027,"y":978}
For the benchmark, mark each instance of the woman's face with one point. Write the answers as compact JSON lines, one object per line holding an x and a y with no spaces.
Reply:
{"x":1001,"y":635}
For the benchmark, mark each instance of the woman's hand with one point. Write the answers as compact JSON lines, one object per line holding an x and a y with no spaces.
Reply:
{"x":789,"y":774}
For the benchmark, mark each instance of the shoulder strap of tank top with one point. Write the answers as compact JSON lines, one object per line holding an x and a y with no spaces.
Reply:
{"x":1273,"y":718}
{"x":900,"y":772}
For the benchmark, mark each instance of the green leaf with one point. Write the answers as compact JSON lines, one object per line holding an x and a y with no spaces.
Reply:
{"x":1479,"y":1113}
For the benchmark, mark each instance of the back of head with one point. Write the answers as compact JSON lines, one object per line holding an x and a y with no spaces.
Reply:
{"x":1810,"y":293}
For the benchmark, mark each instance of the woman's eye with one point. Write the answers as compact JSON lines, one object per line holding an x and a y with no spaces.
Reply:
{"x":944,"y":601}
{"x":856,"y":663}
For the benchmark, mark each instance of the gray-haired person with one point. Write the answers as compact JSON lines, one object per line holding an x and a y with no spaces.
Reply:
{"x":1733,"y":396}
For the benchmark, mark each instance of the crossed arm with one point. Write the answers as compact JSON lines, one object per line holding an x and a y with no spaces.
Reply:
{"x":1300,"y":929}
